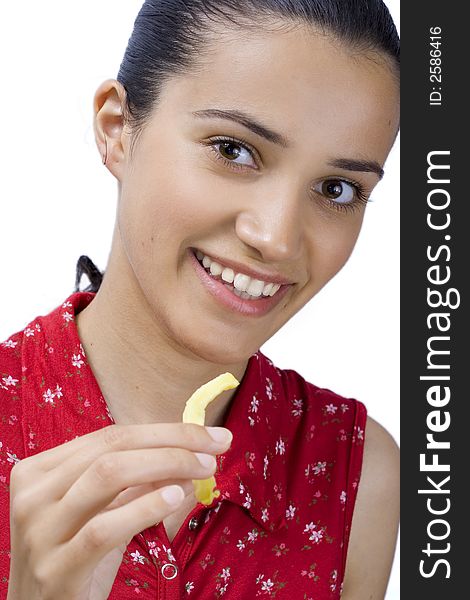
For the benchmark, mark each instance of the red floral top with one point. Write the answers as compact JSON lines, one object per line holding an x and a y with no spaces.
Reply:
{"x":288,"y":483}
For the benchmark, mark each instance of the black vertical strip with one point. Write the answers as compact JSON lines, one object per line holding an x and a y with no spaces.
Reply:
{"x":434,"y":301}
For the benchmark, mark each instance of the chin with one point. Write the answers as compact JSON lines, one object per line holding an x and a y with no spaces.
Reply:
{"x":220,"y":349}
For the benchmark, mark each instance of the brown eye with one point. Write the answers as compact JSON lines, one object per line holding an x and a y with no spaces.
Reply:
{"x":229,"y":150}
{"x":233,"y":153}
{"x":337,"y":190}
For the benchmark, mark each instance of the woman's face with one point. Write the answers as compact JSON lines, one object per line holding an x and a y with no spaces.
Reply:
{"x":292,"y":211}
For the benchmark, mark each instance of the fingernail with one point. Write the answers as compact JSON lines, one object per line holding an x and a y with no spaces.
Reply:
{"x":206,"y":460}
{"x":174,"y":494}
{"x":221,"y":435}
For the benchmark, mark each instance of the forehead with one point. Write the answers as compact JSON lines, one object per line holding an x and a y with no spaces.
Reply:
{"x":308,"y":86}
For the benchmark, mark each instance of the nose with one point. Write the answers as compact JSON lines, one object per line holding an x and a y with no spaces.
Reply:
{"x":273,"y":226}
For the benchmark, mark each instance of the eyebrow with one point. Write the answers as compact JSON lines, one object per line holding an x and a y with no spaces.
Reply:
{"x":365,"y":166}
{"x":248,"y":121}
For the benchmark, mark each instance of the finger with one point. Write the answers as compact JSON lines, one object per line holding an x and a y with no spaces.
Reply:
{"x":132,"y":493}
{"x":39,"y":487}
{"x":187,"y":435}
{"x":48,"y":540}
{"x":79,"y":557}
{"x":113,"y":473}
{"x":48,"y":475}
{"x":126,"y":437}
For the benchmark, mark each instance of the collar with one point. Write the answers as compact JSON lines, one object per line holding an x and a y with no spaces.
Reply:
{"x":251,"y":474}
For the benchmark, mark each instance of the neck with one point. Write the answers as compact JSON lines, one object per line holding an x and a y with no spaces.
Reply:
{"x":144,"y":375}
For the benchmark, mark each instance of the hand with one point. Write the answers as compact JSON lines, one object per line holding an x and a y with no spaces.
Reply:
{"x":75,"y":508}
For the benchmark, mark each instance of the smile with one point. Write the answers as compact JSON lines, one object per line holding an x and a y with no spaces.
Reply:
{"x":237,"y":291}
{"x":242,"y":285}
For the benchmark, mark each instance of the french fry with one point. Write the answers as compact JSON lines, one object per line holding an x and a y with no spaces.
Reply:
{"x":195,"y":412}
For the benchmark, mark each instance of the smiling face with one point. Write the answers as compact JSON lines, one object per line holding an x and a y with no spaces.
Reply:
{"x":289,"y":207}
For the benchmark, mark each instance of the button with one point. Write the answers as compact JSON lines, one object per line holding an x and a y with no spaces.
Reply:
{"x":193,"y":523}
{"x":169,"y":571}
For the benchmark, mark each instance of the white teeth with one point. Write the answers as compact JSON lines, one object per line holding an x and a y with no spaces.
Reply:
{"x":216,"y":269}
{"x":276,"y":286}
{"x":267,"y":289}
{"x":243,"y":295}
{"x":255,"y":288}
{"x":228,"y":275}
{"x":241,"y":282}
{"x":244,"y":285}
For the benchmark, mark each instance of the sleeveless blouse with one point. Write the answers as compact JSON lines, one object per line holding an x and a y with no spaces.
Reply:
{"x":280,"y":528}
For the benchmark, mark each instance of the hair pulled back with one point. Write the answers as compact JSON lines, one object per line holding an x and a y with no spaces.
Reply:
{"x":173,"y":38}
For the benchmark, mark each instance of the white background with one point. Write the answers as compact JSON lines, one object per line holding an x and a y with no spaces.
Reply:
{"x":57,"y":202}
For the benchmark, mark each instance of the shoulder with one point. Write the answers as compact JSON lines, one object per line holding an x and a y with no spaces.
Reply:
{"x":379,"y":446}
{"x":380,"y":477}
{"x":331,"y":422}
{"x":376,"y":510}
{"x":293,"y":386}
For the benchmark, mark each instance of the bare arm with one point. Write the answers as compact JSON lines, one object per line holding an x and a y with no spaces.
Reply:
{"x":375,"y":521}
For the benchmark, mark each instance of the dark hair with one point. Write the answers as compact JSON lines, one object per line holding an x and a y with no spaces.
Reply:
{"x":86,"y":266}
{"x":174,"y":37}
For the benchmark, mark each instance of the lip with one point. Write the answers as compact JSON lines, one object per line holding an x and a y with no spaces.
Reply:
{"x":227,"y":298}
{"x":239,"y":268}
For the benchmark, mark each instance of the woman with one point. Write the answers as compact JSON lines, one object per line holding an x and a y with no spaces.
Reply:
{"x":246,"y":141}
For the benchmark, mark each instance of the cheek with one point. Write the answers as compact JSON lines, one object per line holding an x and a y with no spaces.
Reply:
{"x":162,"y":213}
{"x":171,"y":191}
{"x":159,"y":205}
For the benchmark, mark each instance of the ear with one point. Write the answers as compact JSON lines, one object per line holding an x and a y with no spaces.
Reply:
{"x":110,"y":135}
